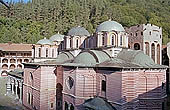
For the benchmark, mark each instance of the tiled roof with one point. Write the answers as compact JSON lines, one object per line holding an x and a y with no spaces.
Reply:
{"x":15,"y":47}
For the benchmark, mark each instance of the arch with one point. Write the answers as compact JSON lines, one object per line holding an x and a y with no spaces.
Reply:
{"x":59,"y":99}
{"x":71,"y":106}
{"x":147,"y":48}
{"x":19,"y":66}
{"x":39,"y":52}
{"x":137,"y":46}
{"x":71,"y":43}
{"x":153,"y":51}
{"x":65,"y":105}
{"x":12,"y":66}
{"x":77,"y":43}
{"x":12,"y":61}
{"x":4,"y":73}
{"x":121,"y":40}
{"x":19,"y":60}
{"x":4,"y":66}
{"x":26,"y":60}
{"x":158,"y":54}
{"x":46,"y":52}
{"x":5,"y":60}
{"x":103,"y":40}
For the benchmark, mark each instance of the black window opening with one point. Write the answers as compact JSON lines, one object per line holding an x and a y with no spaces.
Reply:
{"x":104,"y":85}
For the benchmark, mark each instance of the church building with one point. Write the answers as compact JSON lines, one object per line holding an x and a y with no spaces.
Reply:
{"x":91,"y":68}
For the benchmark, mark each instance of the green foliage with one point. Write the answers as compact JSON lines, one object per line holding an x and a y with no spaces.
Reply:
{"x":29,"y":22}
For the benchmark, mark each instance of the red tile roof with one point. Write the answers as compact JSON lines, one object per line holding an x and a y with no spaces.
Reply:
{"x":15,"y":47}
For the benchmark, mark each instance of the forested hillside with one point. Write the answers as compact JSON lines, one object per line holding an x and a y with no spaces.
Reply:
{"x":31,"y":21}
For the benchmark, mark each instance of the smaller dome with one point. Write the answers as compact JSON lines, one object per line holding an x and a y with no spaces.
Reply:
{"x":78,"y":31}
{"x":57,"y":37}
{"x":45,"y":42}
{"x":110,"y":26}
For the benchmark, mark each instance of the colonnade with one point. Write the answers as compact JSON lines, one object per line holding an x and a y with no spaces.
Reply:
{"x":14,"y":87}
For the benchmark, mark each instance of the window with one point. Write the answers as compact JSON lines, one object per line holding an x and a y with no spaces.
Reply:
{"x":46,"y":52}
{"x":29,"y":98}
{"x":112,"y":40}
{"x":70,"y":82}
{"x":150,"y":33}
{"x":136,"y":46}
{"x":153,"y":51}
{"x":121,"y":40}
{"x":66,"y":106}
{"x":70,"y":43}
{"x":136,"y":34}
{"x":71,"y":107}
{"x":142,"y":33}
{"x":39,"y":52}
{"x":103,"y":40}
{"x":104,"y":85}
{"x":77,"y":43}
{"x":52,"y":105}
{"x":147,"y":48}
{"x":158,"y":54}
{"x":53,"y":53}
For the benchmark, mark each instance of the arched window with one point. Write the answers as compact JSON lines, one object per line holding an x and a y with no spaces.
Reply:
{"x":113,"y":40}
{"x":5,"y":61}
{"x":19,"y":60}
{"x":121,"y":40}
{"x":147,"y":48}
{"x":12,"y":66}
{"x":153,"y":51}
{"x":46,"y":52}
{"x":71,"y":43}
{"x":158,"y":54}
{"x":65,"y":105}
{"x":71,"y":107}
{"x":137,"y":46}
{"x":39,"y":52}
{"x":19,"y":66}
{"x":26,"y":60}
{"x":53,"y":53}
{"x":103,"y":41}
{"x":77,"y":43}
{"x":5,"y":66}
{"x":12,"y":60}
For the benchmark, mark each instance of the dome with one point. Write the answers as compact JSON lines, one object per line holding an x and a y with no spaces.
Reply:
{"x":45,"y":42}
{"x":57,"y":37}
{"x":78,"y":31}
{"x":110,"y":26}
{"x":136,"y":57}
{"x":91,"y":57}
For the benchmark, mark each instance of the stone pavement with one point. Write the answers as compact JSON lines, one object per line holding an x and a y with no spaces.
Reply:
{"x":8,"y":102}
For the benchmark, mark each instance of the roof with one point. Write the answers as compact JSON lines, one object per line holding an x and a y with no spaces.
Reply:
{"x":126,"y":59}
{"x":91,"y":57}
{"x":110,"y":26}
{"x":78,"y":31}
{"x":17,"y":73}
{"x":98,"y":103}
{"x":57,"y":37}
{"x":15,"y":47}
{"x":45,"y":42}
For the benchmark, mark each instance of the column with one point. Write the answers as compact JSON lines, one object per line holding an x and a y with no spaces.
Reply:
{"x":20,"y":94}
{"x":8,"y":86}
{"x":16,"y":89}
{"x":12,"y":83}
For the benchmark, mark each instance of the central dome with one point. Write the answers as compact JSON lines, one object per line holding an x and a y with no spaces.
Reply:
{"x":110,"y":26}
{"x":78,"y":31}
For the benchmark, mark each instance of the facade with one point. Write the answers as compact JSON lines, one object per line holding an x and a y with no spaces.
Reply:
{"x":13,"y":55}
{"x":148,"y":38}
{"x":95,"y":65}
